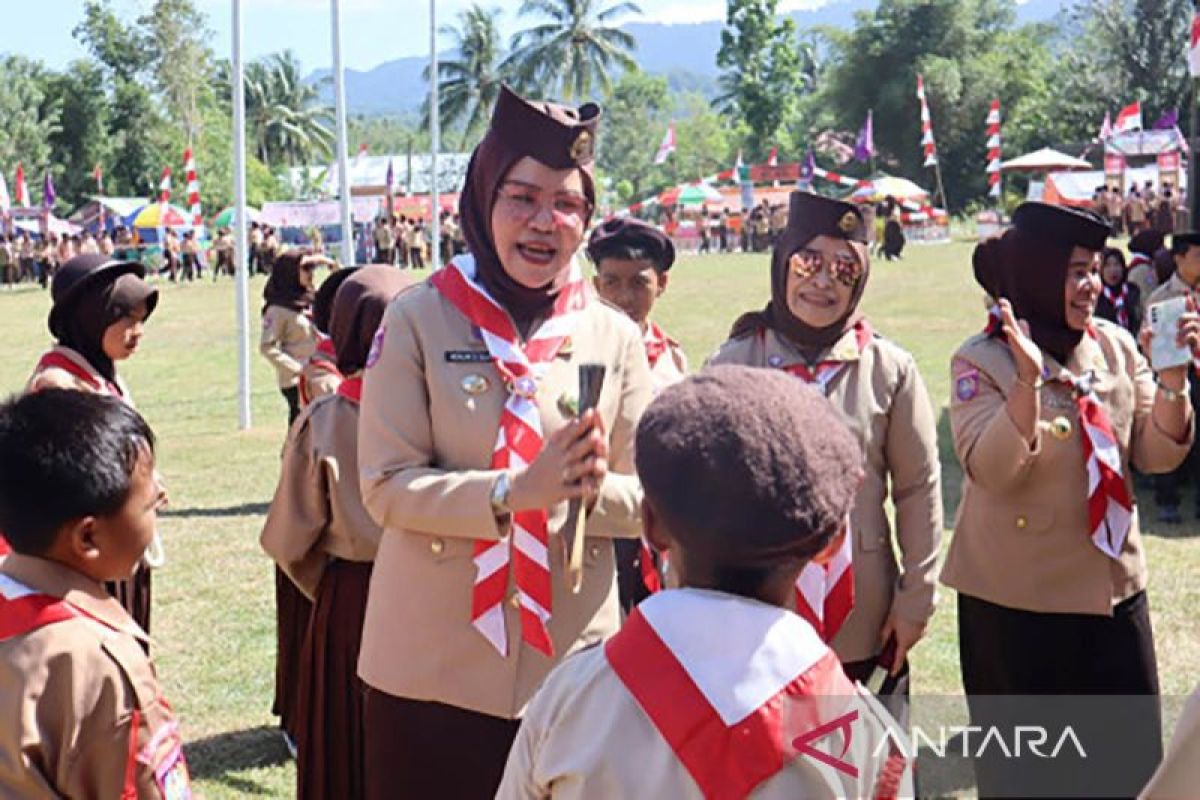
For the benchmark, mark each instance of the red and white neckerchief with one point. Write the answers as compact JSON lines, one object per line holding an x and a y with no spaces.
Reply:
{"x":649,"y":564}
{"x":823,"y":373}
{"x":1118,"y":299}
{"x":351,"y":388}
{"x":55,"y":359}
{"x":323,"y":359}
{"x":1110,"y":508}
{"x":739,"y":707}
{"x":1137,"y":259}
{"x":656,"y":341}
{"x":518,"y":442}
{"x":825,"y":592}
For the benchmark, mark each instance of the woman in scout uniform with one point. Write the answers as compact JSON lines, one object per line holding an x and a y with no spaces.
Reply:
{"x":813,"y":329}
{"x":470,"y":448}
{"x":320,"y":375}
{"x":288,"y":337}
{"x":319,"y":533}
{"x":1046,"y":555}
{"x":1120,"y":300}
{"x":100,"y":308}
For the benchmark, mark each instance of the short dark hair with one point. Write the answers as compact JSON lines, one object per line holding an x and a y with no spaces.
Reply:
{"x":627,"y":252}
{"x":749,"y":468}
{"x":64,"y":455}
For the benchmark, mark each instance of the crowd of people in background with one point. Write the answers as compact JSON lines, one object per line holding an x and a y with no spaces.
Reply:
{"x":1142,"y":208}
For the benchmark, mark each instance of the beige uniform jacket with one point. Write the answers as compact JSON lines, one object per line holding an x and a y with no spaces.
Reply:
{"x":320,"y":377}
{"x":317,"y":513}
{"x":1174,"y":287}
{"x":425,"y":445}
{"x":59,"y":378}
{"x":671,"y":367}
{"x":68,"y":691}
{"x":1143,"y":277}
{"x":1021,"y":538}
{"x":585,"y":737}
{"x":885,"y":404}
{"x":1178,"y":777}
{"x":288,"y":340}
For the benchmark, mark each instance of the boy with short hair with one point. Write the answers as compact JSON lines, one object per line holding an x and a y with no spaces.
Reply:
{"x":715,"y":689}
{"x":81,"y":711}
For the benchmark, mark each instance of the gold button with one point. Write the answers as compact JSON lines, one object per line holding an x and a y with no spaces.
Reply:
{"x":437,"y":546}
{"x":1021,"y":522}
{"x":515,"y":601}
{"x":594,"y":551}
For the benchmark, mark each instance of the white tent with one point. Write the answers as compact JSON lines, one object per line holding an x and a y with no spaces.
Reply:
{"x":1045,"y":160}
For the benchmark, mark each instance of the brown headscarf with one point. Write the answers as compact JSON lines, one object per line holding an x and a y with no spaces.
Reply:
{"x":1028,"y":265}
{"x":555,"y":135}
{"x":358,"y":309}
{"x":283,"y":287}
{"x":102,"y":304}
{"x":809,"y":216}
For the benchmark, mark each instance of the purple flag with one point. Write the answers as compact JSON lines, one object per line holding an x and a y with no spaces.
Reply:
{"x":48,"y":195}
{"x":808,"y":167}
{"x":864,"y":145}
{"x":1168,"y":120}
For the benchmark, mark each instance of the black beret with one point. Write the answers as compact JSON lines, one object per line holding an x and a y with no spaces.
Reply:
{"x":630,"y":232}
{"x":813,"y":215}
{"x":1062,"y":225}
{"x":556,"y":135}
{"x":749,"y":466}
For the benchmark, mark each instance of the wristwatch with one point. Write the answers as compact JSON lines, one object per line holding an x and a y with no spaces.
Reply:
{"x":499,"y":495}
{"x":1170,"y":395}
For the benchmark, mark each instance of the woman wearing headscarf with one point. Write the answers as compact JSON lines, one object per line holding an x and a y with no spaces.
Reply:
{"x":871,"y":605}
{"x":1119,"y":301}
{"x":319,"y":533}
{"x":99,"y":312}
{"x":288,"y":337}
{"x":320,"y":375}
{"x":470,"y":447}
{"x":1050,"y":408}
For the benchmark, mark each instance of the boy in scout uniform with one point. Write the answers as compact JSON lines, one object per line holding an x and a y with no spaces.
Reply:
{"x":874,"y":601}
{"x":714,"y":689}
{"x":83,"y":714}
{"x":1184,"y":282}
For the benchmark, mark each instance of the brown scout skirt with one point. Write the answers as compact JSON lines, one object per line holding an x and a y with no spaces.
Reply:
{"x":329,"y":710}
{"x":292,"y":610}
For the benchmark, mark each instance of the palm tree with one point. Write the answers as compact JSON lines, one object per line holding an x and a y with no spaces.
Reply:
{"x":574,"y":49}
{"x":469,"y":84}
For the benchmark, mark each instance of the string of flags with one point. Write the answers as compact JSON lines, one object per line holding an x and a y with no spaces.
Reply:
{"x":993,"y":149}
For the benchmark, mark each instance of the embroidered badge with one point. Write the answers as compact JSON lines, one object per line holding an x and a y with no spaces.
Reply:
{"x":581,"y":148}
{"x":376,"y":347}
{"x":775,"y":360}
{"x":848,"y":222}
{"x":966,"y":385}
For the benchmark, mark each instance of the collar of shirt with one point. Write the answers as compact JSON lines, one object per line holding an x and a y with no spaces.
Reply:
{"x":781,"y":354}
{"x":75,"y":588}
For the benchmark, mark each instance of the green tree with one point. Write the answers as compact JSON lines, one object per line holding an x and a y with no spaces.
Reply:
{"x":81,"y":141}
{"x":635,"y":118}
{"x":176,"y":33}
{"x":574,"y":50}
{"x":287,"y":124}
{"x":762,"y":75}
{"x":29,"y":116}
{"x":469,"y":83}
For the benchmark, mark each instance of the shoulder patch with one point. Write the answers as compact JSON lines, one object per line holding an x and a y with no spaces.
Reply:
{"x":376,"y":351}
{"x":966,"y":384}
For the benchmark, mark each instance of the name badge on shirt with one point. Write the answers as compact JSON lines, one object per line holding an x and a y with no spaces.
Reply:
{"x":468,"y":356}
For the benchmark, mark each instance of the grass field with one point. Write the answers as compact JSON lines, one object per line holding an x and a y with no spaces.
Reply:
{"x":213,"y":616}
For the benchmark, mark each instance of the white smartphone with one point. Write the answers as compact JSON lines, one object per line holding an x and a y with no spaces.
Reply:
{"x":1164,"y":323}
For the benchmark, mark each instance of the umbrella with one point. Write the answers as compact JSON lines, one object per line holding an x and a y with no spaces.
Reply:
{"x":692,"y":194}
{"x":225,"y":218}
{"x":888,"y":186}
{"x":148,"y":217}
{"x":1045,"y":160}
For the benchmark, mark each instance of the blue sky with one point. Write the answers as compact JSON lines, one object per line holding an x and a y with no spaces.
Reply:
{"x":374,"y":31}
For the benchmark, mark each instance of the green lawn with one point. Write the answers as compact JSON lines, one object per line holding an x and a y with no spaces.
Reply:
{"x":213,"y":618}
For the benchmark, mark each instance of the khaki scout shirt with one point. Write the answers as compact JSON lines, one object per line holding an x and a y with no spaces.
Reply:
{"x":885,"y":404}
{"x":671,"y":367}
{"x":288,"y":340}
{"x":319,"y":377}
{"x":1021,"y":538}
{"x":59,"y":378}
{"x":1178,"y":776}
{"x":1143,"y":277}
{"x":68,"y":691}
{"x":427,"y":428}
{"x":317,"y":513}
{"x":1174,"y":287}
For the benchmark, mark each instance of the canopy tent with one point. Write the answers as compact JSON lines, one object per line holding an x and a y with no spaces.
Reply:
{"x":1146,"y":143}
{"x":883,"y":186}
{"x":319,"y":213}
{"x":56,"y":226}
{"x":116,"y":211}
{"x":1077,"y":188}
{"x":1045,"y":160}
{"x":690,"y":194}
{"x":225,"y":218}
{"x":153,"y":215}
{"x":417,"y":206}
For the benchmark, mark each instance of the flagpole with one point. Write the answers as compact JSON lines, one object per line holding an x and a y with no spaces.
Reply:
{"x":339,"y":101}
{"x":435,"y":234}
{"x":240,"y":260}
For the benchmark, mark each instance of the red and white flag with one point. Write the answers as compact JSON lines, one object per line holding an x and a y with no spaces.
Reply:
{"x":164,"y":186}
{"x":1194,"y":47}
{"x":1129,"y":118}
{"x":928,"y":146}
{"x":773,"y":158}
{"x":22,"y":189}
{"x":993,"y":149}
{"x":668,"y":145}
{"x":193,"y":188}
{"x":1106,"y":128}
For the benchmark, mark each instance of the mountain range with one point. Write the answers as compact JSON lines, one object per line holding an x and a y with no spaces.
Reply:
{"x":685,"y":53}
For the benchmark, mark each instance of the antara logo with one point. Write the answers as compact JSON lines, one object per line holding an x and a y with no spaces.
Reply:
{"x":804,"y":743}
